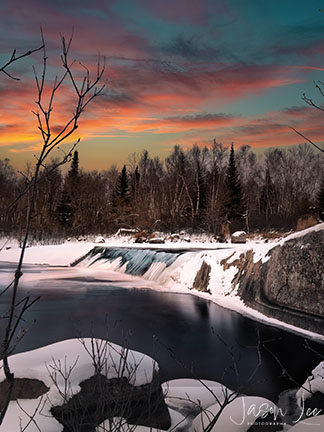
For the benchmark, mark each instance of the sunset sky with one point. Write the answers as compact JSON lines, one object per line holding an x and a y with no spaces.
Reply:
{"x":178,"y":72}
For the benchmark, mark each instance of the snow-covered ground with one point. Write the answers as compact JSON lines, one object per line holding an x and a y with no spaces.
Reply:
{"x":192,"y":404}
{"x":62,"y":366}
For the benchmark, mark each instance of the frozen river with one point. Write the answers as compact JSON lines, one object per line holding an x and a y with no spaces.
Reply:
{"x":187,"y":335}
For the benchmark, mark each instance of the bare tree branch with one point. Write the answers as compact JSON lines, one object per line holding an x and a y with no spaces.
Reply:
{"x":15,"y":58}
{"x":85,"y":93}
{"x":307,"y":139}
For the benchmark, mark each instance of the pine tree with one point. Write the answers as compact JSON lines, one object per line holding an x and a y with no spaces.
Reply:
{"x":235,"y":205}
{"x":320,"y":200}
{"x":121,"y":200}
{"x":64,"y":210}
{"x":74,"y":170}
{"x":122,"y":190}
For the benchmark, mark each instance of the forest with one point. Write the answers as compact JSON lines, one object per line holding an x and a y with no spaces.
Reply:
{"x":198,"y":189}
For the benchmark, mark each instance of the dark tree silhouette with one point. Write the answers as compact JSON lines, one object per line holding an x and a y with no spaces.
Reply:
{"x":64,"y":210}
{"x":235,"y":206}
{"x":122,"y":190}
{"x":74,"y":170}
{"x":120,"y":206}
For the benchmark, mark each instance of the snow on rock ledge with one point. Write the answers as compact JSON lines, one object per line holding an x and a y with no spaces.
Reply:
{"x":290,"y":284}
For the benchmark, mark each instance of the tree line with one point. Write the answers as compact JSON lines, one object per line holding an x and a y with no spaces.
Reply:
{"x":200,"y":189}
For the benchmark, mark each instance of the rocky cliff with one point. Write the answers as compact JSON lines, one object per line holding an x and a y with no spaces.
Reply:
{"x":290,"y":285}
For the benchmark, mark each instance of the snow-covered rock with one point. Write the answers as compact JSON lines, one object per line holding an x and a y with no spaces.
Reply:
{"x":238,"y":237}
{"x":190,"y":395}
{"x":65,"y":368}
{"x":157,"y":240}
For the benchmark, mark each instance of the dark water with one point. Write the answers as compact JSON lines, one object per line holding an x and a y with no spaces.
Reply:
{"x":188,"y":336}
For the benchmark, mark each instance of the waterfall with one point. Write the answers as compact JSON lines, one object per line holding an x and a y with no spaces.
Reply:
{"x":132,"y":261}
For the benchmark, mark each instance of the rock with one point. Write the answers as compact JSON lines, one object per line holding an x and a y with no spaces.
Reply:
{"x":100,"y":240}
{"x":290,"y":284}
{"x":24,"y":388}
{"x":295,"y":274}
{"x":101,"y":398}
{"x":157,"y":240}
{"x":238,"y":237}
{"x":186,"y":239}
{"x":140,"y":240}
{"x":141,"y":236}
{"x":174,"y":237}
{"x":202,"y":278}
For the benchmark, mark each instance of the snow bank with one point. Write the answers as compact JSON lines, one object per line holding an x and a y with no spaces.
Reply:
{"x":62,"y":367}
{"x":190,"y":394}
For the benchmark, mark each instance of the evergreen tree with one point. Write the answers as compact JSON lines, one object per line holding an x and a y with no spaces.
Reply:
{"x":74,"y":170}
{"x":235,"y":205}
{"x":320,"y":200}
{"x":64,"y":210}
{"x":122,"y":190}
{"x":121,"y":200}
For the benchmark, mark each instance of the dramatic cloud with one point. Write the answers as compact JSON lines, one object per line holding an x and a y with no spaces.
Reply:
{"x":178,"y":72}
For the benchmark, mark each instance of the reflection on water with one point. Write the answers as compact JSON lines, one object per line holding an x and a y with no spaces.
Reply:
{"x":188,"y":336}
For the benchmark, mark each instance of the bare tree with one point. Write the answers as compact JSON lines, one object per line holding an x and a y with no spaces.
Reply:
{"x":84,"y":90}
